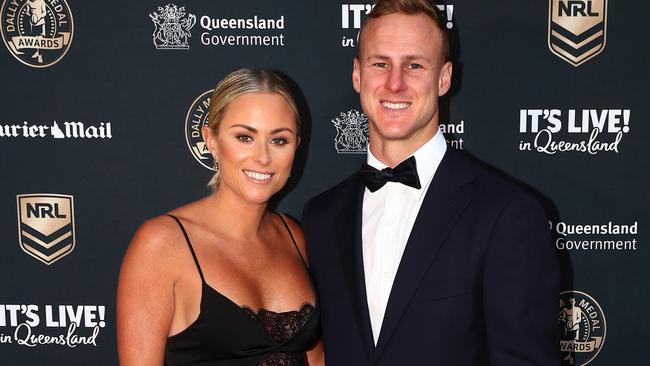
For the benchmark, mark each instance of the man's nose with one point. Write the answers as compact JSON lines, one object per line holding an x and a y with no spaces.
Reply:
{"x":395,"y":82}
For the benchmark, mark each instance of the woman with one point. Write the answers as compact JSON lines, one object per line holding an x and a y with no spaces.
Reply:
{"x":223,"y":281}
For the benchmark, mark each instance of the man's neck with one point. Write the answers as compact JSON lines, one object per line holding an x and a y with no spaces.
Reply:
{"x":393,"y":152}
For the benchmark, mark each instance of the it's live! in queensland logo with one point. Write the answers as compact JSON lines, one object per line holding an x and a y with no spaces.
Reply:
{"x":352,"y":15}
{"x":590,"y":131}
{"x":38,"y":33}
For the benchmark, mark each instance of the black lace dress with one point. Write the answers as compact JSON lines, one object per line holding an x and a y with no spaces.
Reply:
{"x":228,"y":334}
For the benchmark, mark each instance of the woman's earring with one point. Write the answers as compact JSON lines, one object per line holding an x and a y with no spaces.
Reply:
{"x":215,"y":164}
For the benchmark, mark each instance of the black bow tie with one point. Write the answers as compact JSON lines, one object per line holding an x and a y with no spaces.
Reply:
{"x":405,"y":173}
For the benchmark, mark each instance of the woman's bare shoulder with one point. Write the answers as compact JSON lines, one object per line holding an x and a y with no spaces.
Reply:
{"x":157,"y":245}
{"x":297,"y":233}
{"x":164,"y":233}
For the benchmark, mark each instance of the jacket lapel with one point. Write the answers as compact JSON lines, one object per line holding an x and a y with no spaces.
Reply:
{"x":445,"y":200}
{"x":349,"y":220}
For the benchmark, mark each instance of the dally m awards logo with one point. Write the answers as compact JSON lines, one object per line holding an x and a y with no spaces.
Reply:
{"x":196,"y":118}
{"x":38,"y":33}
{"x":46,"y":225}
{"x":351,"y":132}
{"x":173,"y":26}
{"x":577,"y":29}
{"x":582,"y":323}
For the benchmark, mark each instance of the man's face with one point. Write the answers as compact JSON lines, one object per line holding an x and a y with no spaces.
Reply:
{"x":399,"y":75}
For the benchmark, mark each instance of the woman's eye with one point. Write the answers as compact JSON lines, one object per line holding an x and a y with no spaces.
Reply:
{"x":279,"y":141}
{"x":244,"y":138}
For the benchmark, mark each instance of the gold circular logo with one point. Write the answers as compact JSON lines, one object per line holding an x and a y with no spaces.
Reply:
{"x":196,"y":118}
{"x":38,"y":33}
{"x":582,"y":326}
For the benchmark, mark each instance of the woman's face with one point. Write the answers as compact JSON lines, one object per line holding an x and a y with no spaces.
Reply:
{"x":255,"y":146}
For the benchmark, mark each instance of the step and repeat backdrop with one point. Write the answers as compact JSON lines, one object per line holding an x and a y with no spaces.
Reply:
{"x":102,"y":103}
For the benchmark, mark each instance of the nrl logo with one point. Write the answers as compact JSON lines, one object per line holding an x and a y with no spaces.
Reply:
{"x":351,"y":132}
{"x":583,"y":323}
{"x":577,"y":29}
{"x":172,"y":27}
{"x":46,"y":225}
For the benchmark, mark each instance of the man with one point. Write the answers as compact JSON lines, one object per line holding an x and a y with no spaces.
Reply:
{"x":437,"y":261}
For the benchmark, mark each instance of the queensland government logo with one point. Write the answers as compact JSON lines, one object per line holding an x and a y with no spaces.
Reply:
{"x":196,"y":118}
{"x":46,"y":225}
{"x":582,"y":324}
{"x":37,"y":32}
{"x":351,"y":132}
{"x":173,"y":26}
{"x":577,"y":29}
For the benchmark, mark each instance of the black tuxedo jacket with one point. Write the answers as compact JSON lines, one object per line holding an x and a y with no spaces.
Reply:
{"x":477,"y":285}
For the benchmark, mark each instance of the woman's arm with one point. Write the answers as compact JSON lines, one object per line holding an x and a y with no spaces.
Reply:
{"x":145,"y":295}
{"x":315,"y":356}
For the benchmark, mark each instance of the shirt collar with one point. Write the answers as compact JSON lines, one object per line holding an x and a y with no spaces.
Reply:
{"x":427,"y":159}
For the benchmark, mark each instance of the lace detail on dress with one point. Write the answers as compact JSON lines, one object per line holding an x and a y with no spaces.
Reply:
{"x":282,"y":359}
{"x":281,"y":327}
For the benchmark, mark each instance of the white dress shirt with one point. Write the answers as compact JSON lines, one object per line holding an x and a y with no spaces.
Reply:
{"x":388,"y":217}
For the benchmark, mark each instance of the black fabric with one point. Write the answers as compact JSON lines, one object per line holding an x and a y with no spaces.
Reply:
{"x":226,"y":333}
{"x":406,"y":173}
{"x":475,"y":285}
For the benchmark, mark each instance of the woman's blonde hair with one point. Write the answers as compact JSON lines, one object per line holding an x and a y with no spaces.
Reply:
{"x":241,"y":82}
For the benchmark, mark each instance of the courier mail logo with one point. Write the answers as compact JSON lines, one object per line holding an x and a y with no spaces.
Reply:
{"x":46,"y":225}
{"x":577,"y":29}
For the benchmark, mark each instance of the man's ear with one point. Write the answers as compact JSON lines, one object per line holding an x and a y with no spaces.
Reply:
{"x":356,"y":75}
{"x":444,"y":79}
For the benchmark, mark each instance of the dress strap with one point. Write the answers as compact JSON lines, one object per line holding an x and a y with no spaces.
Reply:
{"x":189,"y":244}
{"x":293,"y":240}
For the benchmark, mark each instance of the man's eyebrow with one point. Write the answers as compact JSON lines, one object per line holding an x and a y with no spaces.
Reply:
{"x":378,"y":57}
{"x":403,"y":58}
{"x":416,"y":57}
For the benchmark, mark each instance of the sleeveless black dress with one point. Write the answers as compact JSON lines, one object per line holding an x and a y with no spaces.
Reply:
{"x":226,"y":334}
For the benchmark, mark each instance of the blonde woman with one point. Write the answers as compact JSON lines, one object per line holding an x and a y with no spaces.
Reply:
{"x":222,"y":280}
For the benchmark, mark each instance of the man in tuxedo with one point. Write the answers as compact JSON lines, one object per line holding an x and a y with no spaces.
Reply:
{"x":423,"y":257}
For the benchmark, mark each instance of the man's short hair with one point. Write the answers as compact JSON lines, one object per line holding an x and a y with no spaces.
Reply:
{"x":410,"y":7}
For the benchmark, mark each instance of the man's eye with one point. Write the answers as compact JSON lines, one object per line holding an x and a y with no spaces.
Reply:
{"x":381,"y":65}
{"x":244,"y":138}
{"x":415,"y":66}
{"x":279,"y":141}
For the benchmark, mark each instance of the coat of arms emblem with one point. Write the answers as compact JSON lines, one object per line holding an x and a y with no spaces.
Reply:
{"x":351,"y":132}
{"x":173,"y":26}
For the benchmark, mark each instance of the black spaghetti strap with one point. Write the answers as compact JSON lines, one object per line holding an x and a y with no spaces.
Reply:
{"x":293,"y":240}
{"x":189,"y":244}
